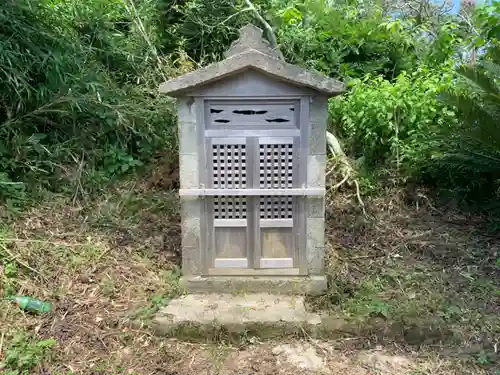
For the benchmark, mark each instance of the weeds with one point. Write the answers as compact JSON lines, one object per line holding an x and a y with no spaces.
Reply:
{"x":78,"y":104}
{"x":407,"y":274}
{"x":107,"y":272}
{"x":24,"y":354}
{"x":79,"y":114}
{"x":157,"y":301}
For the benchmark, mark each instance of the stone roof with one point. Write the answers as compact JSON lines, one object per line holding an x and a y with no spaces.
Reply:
{"x":251,"y":51}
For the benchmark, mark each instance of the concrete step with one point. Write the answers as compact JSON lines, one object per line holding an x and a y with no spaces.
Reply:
{"x":239,"y":317}
{"x":258,"y":314}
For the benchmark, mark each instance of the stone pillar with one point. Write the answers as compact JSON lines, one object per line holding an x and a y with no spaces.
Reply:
{"x":316,"y":168}
{"x":192,"y":258}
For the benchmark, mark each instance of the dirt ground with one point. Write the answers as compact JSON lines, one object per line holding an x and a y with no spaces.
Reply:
{"x":306,"y":358}
{"x":108,"y":265}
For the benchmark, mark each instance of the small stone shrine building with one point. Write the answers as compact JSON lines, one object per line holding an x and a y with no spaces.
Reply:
{"x":252,"y":134}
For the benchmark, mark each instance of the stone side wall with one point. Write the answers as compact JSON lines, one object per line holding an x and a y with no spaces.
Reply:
{"x":316,"y":168}
{"x":191,"y":207}
{"x":192,"y":258}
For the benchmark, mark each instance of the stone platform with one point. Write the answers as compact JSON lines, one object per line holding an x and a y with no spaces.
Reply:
{"x":241,"y":317}
{"x":261,"y":315}
{"x":310,"y":285}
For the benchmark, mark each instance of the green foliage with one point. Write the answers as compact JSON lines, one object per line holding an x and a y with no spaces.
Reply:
{"x":8,"y":273}
{"x":446,"y":45}
{"x":344,"y":39}
{"x":24,"y":354}
{"x":393,"y":122}
{"x":171,"y":279}
{"x":470,"y":158}
{"x":9,"y":269}
{"x":203,"y":29}
{"x":76,"y":95}
{"x":11,"y":192}
{"x":79,"y":110}
{"x":487,"y":28}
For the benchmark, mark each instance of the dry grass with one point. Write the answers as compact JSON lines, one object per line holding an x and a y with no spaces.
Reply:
{"x":428,"y":277}
{"x":105,"y":267}
{"x":108,"y":265}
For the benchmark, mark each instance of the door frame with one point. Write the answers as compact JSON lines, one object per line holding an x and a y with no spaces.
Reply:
{"x":299,"y":133}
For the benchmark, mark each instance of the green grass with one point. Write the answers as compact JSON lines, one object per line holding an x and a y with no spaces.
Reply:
{"x":416,"y":277}
{"x":404,"y":277}
{"x":102,"y":267}
{"x":24,"y":353}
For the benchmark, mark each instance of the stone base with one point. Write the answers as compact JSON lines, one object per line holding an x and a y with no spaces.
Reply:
{"x":210,"y":315}
{"x":312,"y":285}
{"x":240,"y":318}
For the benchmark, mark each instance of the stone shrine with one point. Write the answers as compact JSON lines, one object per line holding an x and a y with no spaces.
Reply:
{"x":252,"y":134}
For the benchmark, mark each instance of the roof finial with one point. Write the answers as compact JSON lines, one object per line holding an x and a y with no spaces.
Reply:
{"x":251,"y":38}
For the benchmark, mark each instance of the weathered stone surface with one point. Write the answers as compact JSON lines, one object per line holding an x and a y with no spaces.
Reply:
{"x":188,"y":171}
{"x":317,"y":139}
{"x":246,"y":284}
{"x":186,"y":109}
{"x":192,"y":261}
{"x":261,"y":313}
{"x":250,"y":81}
{"x":252,"y":59}
{"x":303,"y":357}
{"x":315,"y":246}
{"x":190,"y":207}
{"x":318,"y":109}
{"x":316,"y":207}
{"x":191,"y":232}
{"x":318,"y":115}
{"x":251,"y":69}
{"x":212,"y":316}
{"x":251,"y":38}
{"x":315,"y":232}
{"x":316,"y":166}
{"x":247,"y":57}
{"x":188,"y":137}
{"x":316,"y":261}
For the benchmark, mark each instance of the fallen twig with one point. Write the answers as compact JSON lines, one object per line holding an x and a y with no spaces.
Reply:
{"x":1,"y":343}
{"x":20,"y":262}
{"x":358,"y":195}
{"x":65,"y":244}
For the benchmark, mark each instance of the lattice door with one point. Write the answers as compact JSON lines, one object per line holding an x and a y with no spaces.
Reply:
{"x":230,"y":216}
{"x":254,"y":231}
{"x":276,"y":171}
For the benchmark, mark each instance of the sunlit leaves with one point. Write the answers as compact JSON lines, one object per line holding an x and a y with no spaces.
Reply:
{"x":393,"y":122}
{"x":291,"y":15}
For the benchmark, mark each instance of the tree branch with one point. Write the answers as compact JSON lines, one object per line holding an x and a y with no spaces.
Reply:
{"x":236,"y":14}
{"x":269,"y":30}
{"x":132,"y":11}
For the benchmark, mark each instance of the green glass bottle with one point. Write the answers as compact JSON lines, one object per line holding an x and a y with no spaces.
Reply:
{"x":31,"y":304}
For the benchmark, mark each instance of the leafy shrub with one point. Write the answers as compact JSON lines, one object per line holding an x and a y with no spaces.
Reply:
{"x":23,"y":354}
{"x":77,"y":95}
{"x":78,"y":103}
{"x":394,"y":123}
{"x":469,"y":161}
{"x":11,"y":192}
{"x":204,"y":29}
{"x":344,"y":39}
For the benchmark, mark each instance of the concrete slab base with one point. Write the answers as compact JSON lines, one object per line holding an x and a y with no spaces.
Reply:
{"x":312,"y":285}
{"x":262,"y":315}
{"x":238,"y":318}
